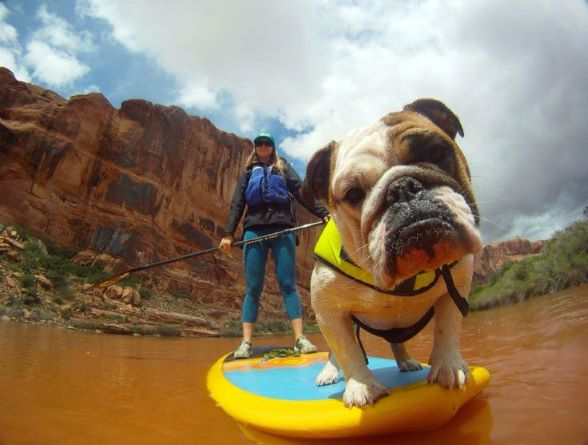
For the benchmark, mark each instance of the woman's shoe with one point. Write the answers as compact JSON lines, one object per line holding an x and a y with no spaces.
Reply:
{"x":304,"y":346}
{"x":243,"y":351}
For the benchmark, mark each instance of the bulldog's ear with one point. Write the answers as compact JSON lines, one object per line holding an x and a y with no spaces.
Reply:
{"x":316,"y":180}
{"x":439,"y":114}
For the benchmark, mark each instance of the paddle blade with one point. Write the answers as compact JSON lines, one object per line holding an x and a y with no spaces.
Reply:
{"x":110,"y":281}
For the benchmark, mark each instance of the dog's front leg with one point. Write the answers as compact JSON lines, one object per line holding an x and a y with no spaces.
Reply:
{"x":404,"y":361}
{"x":448,"y":368}
{"x":330,"y":372}
{"x":361,"y":387}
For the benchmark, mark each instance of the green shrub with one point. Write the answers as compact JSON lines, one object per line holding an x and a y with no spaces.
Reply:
{"x":144,"y":329}
{"x":29,"y":263}
{"x":119,"y":318}
{"x":94,"y":276}
{"x":15,"y":312}
{"x":311,"y":327}
{"x":82,"y":307}
{"x":145,"y":293}
{"x":64,"y":313}
{"x":166,"y":330}
{"x":56,"y":263}
{"x":130,"y":281}
{"x":233,"y":328}
{"x":30,"y":297}
{"x":65,"y":292}
{"x":28,"y":280}
{"x":14,"y":299}
{"x":39,"y":314}
{"x":84,"y":324}
{"x":274,"y":327}
{"x":563,"y":262}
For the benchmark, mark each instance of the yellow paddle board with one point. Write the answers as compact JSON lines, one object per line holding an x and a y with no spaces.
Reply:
{"x":279,"y":396}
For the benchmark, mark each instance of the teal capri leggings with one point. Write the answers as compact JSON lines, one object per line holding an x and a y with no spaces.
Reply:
{"x":255,"y":256}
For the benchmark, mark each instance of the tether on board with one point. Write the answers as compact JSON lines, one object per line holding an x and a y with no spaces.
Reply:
{"x":279,"y":353}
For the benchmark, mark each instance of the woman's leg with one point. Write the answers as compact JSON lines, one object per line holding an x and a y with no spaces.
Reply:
{"x":255,"y":256}
{"x":248,"y":331}
{"x":284,"y":254}
{"x":297,"y":327}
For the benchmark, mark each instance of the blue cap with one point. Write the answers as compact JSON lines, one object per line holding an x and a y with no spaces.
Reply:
{"x":264,"y":136}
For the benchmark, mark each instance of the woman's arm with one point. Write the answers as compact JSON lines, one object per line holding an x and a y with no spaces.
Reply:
{"x":237,"y":205}
{"x":294,"y":184}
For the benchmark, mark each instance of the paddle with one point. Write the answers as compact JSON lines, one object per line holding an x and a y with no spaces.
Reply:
{"x":113,"y":279}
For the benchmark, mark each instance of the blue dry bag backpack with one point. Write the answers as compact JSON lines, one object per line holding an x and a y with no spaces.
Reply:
{"x":266,"y":187}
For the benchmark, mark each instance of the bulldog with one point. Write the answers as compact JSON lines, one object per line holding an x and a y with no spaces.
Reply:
{"x":399,"y":248}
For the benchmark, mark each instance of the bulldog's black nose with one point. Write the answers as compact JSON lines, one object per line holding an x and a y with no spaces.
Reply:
{"x":403,"y":190}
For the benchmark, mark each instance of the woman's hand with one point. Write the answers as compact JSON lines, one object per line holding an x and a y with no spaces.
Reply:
{"x":226,"y":244}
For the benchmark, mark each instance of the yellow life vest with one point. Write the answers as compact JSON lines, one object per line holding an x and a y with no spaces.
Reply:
{"x":329,"y":250}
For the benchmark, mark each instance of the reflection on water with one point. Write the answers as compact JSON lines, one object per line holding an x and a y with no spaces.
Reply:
{"x":65,"y":387}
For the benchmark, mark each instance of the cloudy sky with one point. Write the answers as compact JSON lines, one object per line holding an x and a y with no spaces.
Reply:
{"x":515,"y":72}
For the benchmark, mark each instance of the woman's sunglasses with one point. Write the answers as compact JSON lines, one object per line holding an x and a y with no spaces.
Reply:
{"x":262,"y":143}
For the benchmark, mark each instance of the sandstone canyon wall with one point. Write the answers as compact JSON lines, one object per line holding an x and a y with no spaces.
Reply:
{"x":493,"y":256}
{"x":143,"y":183}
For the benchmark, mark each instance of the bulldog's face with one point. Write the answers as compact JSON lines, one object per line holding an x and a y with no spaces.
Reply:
{"x":399,"y":192}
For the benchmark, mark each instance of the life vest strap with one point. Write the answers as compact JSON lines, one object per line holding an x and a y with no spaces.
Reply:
{"x":461,"y":303}
{"x":398,"y":335}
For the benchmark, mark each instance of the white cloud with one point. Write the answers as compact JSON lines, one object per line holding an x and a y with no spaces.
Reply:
{"x":8,"y":33}
{"x":260,"y":51}
{"x":53,"y":66}
{"x":513,"y":71}
{"x":245,"y":117}
{"x":10,"y":49}
{"x":89,"y":89}
{"x":58,"y":33}
{"x":52,"y":54}
{"x":196,"y":95}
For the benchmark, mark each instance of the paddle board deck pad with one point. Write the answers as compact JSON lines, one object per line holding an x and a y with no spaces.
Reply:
{"x":279,"y":396}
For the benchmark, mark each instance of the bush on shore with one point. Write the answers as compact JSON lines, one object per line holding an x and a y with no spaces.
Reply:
{"x":562,"y":263}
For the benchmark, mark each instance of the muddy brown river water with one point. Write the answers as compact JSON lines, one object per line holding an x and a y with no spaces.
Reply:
{"x":66,"y":387}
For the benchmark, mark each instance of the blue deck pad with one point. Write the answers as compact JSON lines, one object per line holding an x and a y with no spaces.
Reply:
{"x":297,"y":383}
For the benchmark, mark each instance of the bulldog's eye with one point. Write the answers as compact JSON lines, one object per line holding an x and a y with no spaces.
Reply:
{"x":436,"y":153}
{"x":354,"y":195}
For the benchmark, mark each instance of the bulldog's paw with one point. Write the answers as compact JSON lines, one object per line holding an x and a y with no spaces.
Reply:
{"x":328,"y":375}
{"x":449,"y":372}
{"x":361,"y":394}
{"x":409,"y":365}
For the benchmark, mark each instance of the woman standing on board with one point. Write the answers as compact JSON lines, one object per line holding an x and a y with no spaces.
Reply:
{"x":265,"y":188}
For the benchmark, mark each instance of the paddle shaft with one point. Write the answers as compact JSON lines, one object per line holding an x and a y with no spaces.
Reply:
{"x":258,"y":239}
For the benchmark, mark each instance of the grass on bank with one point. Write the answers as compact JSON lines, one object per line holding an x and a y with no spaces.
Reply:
{"x":53,"y":262}
{"x":562,"y":263}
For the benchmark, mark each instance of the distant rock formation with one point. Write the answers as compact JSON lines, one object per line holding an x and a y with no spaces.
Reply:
{"x":493,"y":256}
{"x":143,"y":183}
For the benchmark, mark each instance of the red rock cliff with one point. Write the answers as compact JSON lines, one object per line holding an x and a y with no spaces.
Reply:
{"x":143,"y":183}
{"x":493,"y":256}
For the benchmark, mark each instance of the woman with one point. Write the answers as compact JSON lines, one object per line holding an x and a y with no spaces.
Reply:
{"x":265,"y":188}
